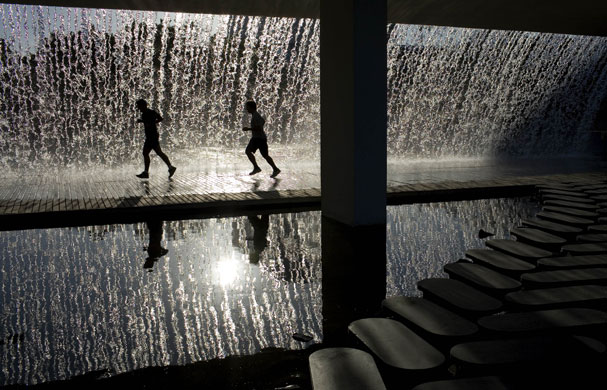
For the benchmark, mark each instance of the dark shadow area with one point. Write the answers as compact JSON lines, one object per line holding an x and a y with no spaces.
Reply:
{"x":353,"y":276}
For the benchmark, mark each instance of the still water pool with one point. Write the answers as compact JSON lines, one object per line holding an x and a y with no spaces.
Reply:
{"x":157,"y":293}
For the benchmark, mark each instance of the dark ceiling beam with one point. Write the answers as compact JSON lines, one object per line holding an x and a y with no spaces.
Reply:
{"x":579,"y":17}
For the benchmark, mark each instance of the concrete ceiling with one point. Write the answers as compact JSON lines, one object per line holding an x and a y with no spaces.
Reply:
{"x":580,"y":17}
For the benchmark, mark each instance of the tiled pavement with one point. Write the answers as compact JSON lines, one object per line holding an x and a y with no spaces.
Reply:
{"x":50,"y":197}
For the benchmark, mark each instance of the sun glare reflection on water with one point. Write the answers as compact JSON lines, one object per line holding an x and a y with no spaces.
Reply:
{"x":229,"y":271}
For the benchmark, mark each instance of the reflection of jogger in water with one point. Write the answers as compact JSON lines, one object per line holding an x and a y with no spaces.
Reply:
{"x":258,"y":140}
{"x":260,"y":234}
{"x":150,"y":118}
{"x":155,"y":249}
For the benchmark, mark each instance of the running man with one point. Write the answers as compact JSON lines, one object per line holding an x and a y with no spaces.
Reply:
{"x":150,"y":118}
{"x":258,"y":140}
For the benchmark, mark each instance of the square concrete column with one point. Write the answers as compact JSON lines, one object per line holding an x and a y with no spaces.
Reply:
{"x":353,"y":74}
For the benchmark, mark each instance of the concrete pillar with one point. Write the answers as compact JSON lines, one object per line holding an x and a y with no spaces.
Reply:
{"x":353,"y":111}
{"x":353,"y":276}
{"x":353,"y":74}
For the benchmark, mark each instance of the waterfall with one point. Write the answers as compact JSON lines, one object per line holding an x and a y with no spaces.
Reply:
{"x":465,"y":92}
{"x":69,"y":79}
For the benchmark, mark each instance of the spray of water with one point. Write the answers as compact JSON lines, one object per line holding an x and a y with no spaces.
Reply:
{"x":69,"y":79}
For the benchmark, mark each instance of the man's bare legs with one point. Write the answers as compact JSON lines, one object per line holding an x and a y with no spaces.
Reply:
{"x":146,"y":161}
{"x":251,"y":156}
{"x":275,"y":170}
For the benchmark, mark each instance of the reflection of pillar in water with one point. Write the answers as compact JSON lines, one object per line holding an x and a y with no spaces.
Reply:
{"x":353,"y":276}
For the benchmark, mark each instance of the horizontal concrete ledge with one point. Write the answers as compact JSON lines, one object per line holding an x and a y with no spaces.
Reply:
{"x":15,"y":215}
{"x":582,"y":17}
{"x":168,"y":212}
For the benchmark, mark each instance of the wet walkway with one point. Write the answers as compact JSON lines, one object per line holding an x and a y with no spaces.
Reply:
{"x":38,"y":201}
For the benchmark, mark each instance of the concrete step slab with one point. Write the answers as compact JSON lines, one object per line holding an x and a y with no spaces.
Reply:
{"x":565,"y":219}
{"x":585,"y":249}
{"x":500,"y":262}
{"x":538,"y":238}
{"x":568,"y":232}
{"x":573,"y":205}
{"x":597,"y":229}
{"x":592,"y":237}
{"x":591,"y":187}
{"x":430,"y":317}
{"x":562,"y":278}
{"x":482,"y":278}
{"x":574,"y":199}
{"x":459,"y":297}
{"x":518,"y":249}
{"x":513,"y":353}
{"x":573,"y":212}
{"x":474,"y":383}
{"x":559,"y":320}
{"x":396,"y":345}
{"x":562,"y":192}
{"x":344,"y":368}
{"x":572,"y":262}
{"x":558,"y":187}
{"x":591,"y":296}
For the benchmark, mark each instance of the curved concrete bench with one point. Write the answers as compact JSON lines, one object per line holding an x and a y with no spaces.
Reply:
{"x":592,"y":237}
{"x":478,"y":383}
{"x":564,"y":219}
{"x":344,"y":368}
{"x":562,"y":278}
{"x":511,"y":353}
{"x":396,"y":345}
{"x":573,"y":205}
{"x":483,"y":278}
{"x":570,"y":320}
{"x":586,"y":249}
{"x":560,"y":297}
{"x":569,"y":262}
{"x":500,"y":262}
{"x":568,"y":232}
{"x":430,"y":317}
{"x":459,"y":297}
{"x":539,"y":238}
{"x":573,"y":212}
{"x":518,"y":249}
